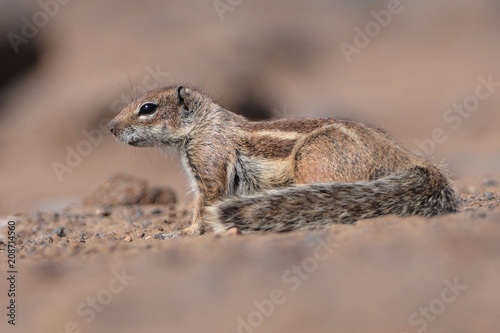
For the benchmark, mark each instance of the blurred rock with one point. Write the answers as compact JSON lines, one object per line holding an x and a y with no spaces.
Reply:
{"x":489,"y":182}
{"x":121,"y":189}
{"x":159,"y":195}
{"x":18,"y":54}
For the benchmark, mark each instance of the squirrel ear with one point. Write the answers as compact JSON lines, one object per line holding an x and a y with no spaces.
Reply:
{"x":181,"y":95}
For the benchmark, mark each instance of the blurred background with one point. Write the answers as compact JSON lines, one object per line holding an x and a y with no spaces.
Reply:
{"x":406,"y":66}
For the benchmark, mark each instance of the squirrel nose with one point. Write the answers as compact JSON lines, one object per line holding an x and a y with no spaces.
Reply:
{"x":112,"y":126}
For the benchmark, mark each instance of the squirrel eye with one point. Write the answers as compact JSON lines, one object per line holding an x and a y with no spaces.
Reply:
{"x":147,"y":108}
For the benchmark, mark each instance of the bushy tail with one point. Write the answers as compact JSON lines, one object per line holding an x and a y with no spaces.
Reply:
{"x":416,"y":191}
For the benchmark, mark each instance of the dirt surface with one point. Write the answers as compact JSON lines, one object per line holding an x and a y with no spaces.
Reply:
{"x":90,"y":249}
{"x":102,"y":269}
{"x":95,"y":227}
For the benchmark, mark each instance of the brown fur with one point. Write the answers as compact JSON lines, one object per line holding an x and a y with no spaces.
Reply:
{"x":287,"y":125}
{"x":267,"y":147}
{"x":286,"y":174}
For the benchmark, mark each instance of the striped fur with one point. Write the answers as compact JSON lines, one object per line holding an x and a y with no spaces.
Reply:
{"x":286,"y":174}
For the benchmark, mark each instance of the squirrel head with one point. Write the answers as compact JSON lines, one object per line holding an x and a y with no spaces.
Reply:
{"x":161,"y":117}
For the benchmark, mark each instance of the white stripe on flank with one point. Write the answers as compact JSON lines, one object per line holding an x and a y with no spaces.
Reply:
{"x":280,"y":134}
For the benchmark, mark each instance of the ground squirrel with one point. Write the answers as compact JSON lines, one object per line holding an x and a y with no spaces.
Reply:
{"x":286,"y":174}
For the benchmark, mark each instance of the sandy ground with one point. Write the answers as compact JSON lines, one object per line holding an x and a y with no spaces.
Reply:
{"x":108,"y":269}
{"x":85,"y":268}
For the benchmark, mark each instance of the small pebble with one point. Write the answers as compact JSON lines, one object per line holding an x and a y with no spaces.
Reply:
{"x":490,"y":182}
{"x":138,"y":213}
{"x":159,"y":236}
{"x":103,"y":212}
{"x":59,"y":231}
{"x":156,"y":211}
{"x":489,"y":196}
{"x":127,"y":239}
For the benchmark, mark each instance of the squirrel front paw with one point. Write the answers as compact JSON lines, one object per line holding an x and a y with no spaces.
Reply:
{"x":194,"y":230}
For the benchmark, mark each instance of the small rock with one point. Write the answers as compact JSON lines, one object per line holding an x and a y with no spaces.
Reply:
{"x":156,"y":211}
{"x":148,"y":237}
{"x":159,"y":195}
{"x":127,"y":239}
{"x":59,"y":231}
{"x":138,"y":213}
{"x":146,"y":223}
{"x":490,"y":182}
{"x":489,"y":196}
{"x":169,"y":235}
{"x":118,"y":190}
{"x":103,"y":212}
{"x":122,"y":190}
{"x":159,"y":236}
{"x":84,"y":236}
